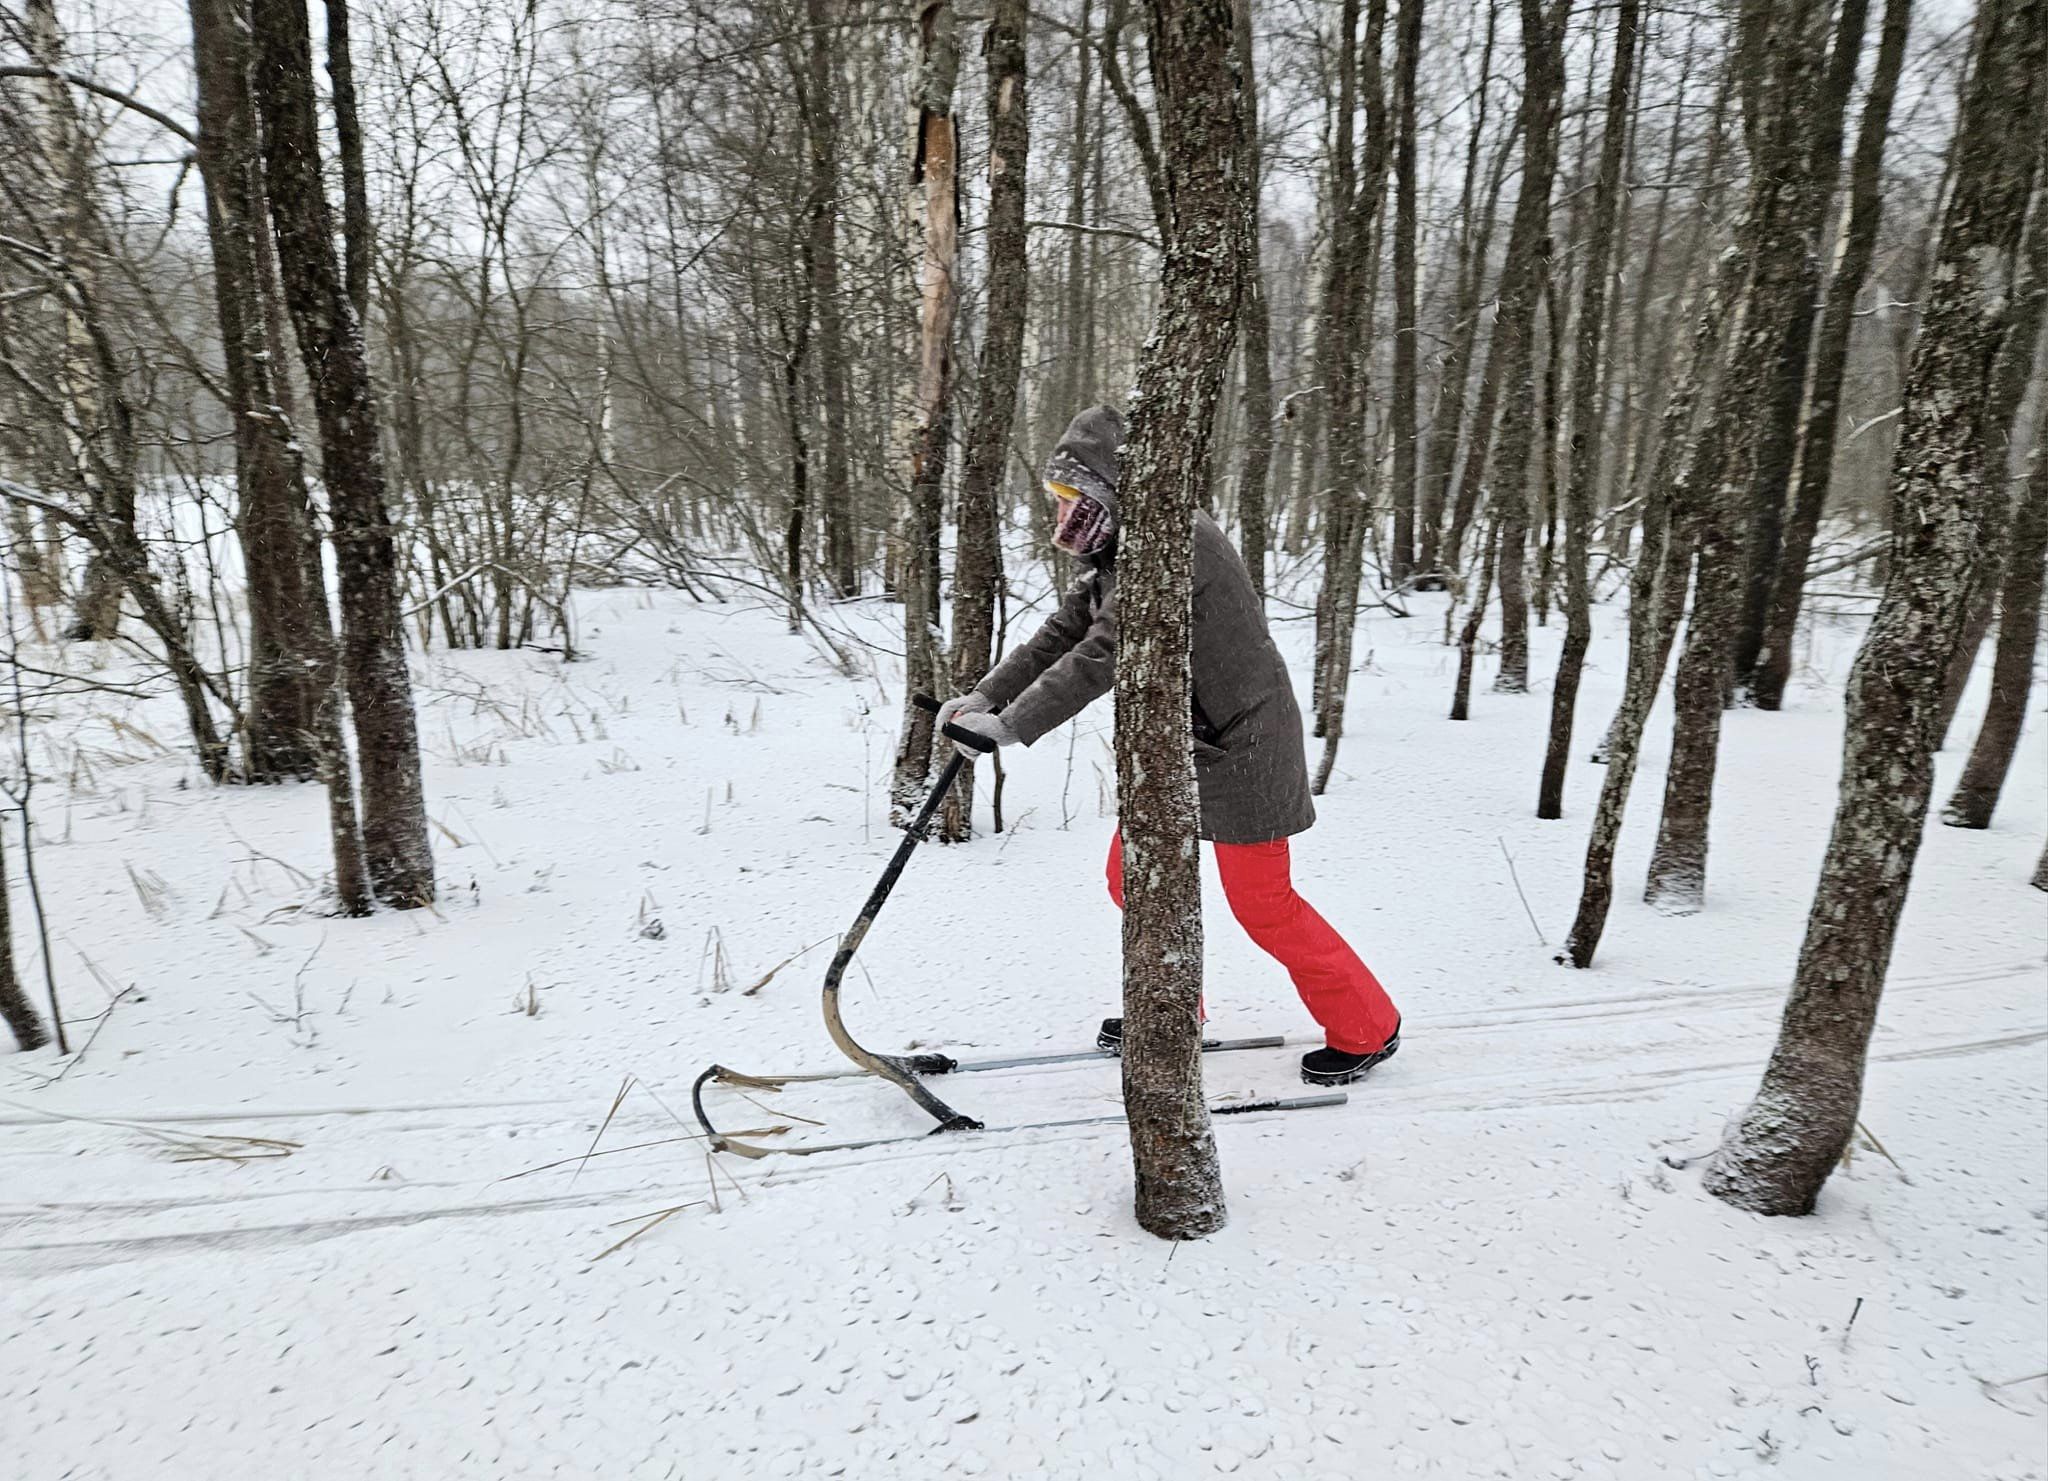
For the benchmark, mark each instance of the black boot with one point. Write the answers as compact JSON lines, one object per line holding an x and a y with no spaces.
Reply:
{"x":1110,"y":1037}
{"x":1334,"y":1067}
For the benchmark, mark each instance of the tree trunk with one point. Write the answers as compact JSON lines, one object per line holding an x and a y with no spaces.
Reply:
{"x":66,"y":147}
{"x":1468,"y":637}
{"x":1523,"y":281}
{"x":1257,"y":354}
{"x":1455,"y":378}
{"x":2001,"y":408}
{"x":1792,"y":35}
{"x":978,"y":557}
{"x":1180,"y":380}
{"x":1587,"y":420}
{"x":1811,"y":159}
{"x":1657,"y":588}
{"x":1407,"y":51}
{"x":394,"y":823}
{"x":1773,"y":667}
{"x":294,"y":703}
{"x":1337,"y":336}
{"x":2012,"y":669}
{"x":1793,"y":1134}
{"x":821,"y":134}
{"x":357,"y":242}
{"x":16,"y":1011}
{"x":1350,"y":507}
{"x":934,"y":168}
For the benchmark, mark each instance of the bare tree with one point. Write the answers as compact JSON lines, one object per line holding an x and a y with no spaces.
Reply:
{"x":1586,"y":418}
{"x":1780,"y":51}
{"x":396,"y":851}
{"x":978,"y":557}
{"x":1525,"y":277}
{"x":1475,"y":218}
{"x":819,"y":102}
{"x":2012,"y":668}
{"x":1257,"y":351}
{"x":1780,"y":1152}
{"x":1657,"y":588}
{"x":1351,"y":298}
{"x":294,"y":701}
{"x":1407,"y":55}
{"x":16,"y":1011}
{"x":1773,"y":667}
{"x":1810,"y":158}
{"x":934,"y":168}
{"x":1180,"y":382}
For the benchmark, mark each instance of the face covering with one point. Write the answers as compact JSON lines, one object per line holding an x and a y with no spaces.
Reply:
{"x":1084,"y":526}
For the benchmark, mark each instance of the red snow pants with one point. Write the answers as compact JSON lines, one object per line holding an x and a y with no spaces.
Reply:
{"x":1341,"y":994}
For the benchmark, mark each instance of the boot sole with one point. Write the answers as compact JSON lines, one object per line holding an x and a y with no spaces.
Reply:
{"x":1346,"y":1077}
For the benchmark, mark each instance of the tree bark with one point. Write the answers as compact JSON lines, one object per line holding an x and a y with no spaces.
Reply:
{"x":1407,"y":52}
{"x":16,"y":1011}
{"x":2001,"y":408}
{"x":2012,"y":668}
{"x":1454,"y":381}
{"x":1524,"y":279}
{"x":1776,"y":1158}
{"x":1337,"y":336}
{"x":978,"y":556}
{"x":394,"y":822}
{"x":1810,"y":157}
{"x":1180,"y":381}
{"x":1657,"y":587}
{"x":294,"y":702}
{"x":934,"y":170}
{"x":1792,"y":36}
{"x":1773,"y":668}
{"x":1257,"y":354}
{"x":1586,"y":419}
{"x":357,"y":243}
{"x":1349,"y":510}
{"x":821,"y":134}
{"x":71,"y":174}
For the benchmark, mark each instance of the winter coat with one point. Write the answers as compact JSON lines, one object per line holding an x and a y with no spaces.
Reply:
{"x":1249,"y":763}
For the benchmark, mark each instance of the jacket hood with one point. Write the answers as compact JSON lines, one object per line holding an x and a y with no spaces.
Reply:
{"x":1086,"y":457}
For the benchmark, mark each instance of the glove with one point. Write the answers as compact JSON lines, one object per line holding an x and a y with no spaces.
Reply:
{"x":993,"y":727}
{"x":974,"y":702}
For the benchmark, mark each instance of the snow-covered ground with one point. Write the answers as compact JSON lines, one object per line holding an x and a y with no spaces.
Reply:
{"x":315,"y":1202}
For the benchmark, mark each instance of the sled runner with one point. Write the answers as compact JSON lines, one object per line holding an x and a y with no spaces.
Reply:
{"x":908,"y":1072}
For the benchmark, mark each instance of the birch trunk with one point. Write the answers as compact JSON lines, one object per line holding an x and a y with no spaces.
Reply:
{"x":934,"y":171}
{"x":978,"y":559}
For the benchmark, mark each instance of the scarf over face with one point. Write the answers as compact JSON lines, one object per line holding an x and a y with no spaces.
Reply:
{"x":1083,"y":471}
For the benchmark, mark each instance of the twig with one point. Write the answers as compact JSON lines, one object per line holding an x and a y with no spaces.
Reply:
{"x":624,"y":1086}
{"x":652,"y":1221}
{"x":1541,"y":938}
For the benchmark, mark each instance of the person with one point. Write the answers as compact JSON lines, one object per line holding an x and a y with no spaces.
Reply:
{"x":1250,"y":768}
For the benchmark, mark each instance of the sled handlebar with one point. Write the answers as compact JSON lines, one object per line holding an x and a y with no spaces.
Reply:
{"x":952,"y":732}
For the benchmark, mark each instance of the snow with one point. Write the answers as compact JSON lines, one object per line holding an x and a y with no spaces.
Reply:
{"x":1496,"y":1260}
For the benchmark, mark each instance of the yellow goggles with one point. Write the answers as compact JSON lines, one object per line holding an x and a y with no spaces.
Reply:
{"x":1062,"y":490}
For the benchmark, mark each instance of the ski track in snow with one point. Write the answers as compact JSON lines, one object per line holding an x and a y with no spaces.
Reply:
{"x":1494,"y":1261}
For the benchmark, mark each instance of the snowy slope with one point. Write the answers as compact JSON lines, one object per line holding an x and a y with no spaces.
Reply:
{"x":1487,"y":1264}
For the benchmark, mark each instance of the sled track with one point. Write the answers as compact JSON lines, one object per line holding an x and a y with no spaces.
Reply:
{"x":1601,"y":1086}
{"x":1536,"y":1014}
